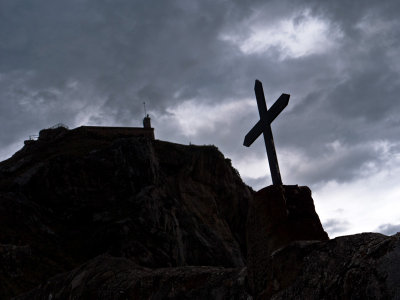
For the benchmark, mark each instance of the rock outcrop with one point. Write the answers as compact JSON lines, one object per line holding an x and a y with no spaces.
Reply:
{"x":74,"y":195}
{"x":361,"y":266}
{"x":278,"y":216}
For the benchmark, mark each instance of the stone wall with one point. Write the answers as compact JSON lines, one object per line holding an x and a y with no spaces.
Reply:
{"x":117,"y":131}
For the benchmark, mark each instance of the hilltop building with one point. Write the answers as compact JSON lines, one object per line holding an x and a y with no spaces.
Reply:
{"x":102,"y":131}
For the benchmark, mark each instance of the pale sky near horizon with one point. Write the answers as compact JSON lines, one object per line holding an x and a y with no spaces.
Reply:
{"x":94,"y":62}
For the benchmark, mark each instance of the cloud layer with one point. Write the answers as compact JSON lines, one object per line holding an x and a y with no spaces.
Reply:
{"x":194,"y":64}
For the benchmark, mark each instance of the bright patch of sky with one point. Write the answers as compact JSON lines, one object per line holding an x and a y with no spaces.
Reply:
{"x":362,"y":204}
{"x":194,"y":115}
{"x":300,"y":35}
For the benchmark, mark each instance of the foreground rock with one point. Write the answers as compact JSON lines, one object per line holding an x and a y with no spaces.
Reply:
{"x":362,"y":266}
{"x":108,"y":277}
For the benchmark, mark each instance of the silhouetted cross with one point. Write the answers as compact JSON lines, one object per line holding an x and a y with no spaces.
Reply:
{"x":264,"y":126}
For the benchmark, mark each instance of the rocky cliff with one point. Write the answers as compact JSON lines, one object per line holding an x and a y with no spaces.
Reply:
{"x":89,"y":215}
{"x":74,"y":195}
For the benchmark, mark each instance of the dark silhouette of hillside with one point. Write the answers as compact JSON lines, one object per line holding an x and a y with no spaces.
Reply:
{"x":86,"y":214}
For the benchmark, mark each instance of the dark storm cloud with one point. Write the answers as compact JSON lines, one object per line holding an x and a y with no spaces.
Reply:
{"x":388,"y":229}
{"x":97,"y":61}
{"x":120,"y":54}
{"x":125,"y":52}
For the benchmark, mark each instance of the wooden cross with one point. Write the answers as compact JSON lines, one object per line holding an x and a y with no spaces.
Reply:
{"x":264,"y":126}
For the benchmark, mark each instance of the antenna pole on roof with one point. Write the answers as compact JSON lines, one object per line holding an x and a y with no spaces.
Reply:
{"x":144,"y":106}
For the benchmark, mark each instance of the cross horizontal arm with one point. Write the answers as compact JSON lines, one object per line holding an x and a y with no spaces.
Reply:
{"x":271,"y":114}
{"x":278,"y":106}
{"x":254,"y":133}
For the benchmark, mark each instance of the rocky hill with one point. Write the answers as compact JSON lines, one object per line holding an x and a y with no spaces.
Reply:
{"x":85,"y":215}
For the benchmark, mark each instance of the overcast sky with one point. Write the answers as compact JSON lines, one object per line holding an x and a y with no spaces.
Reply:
{"x":94,"y":62}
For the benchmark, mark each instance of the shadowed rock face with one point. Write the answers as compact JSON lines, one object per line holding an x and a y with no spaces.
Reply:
{"x":278,"y":216}
{"x":73,"y":196}
{"x":361,"y":266}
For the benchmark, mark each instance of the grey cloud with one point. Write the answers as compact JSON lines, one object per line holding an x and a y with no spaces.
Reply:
{"x":257,"y":183}
{"x":388,"y":229}
{"x":335,"y":226}
{"x":122,"y":53}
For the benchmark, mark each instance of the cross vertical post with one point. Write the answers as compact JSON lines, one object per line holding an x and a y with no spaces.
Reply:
{"x":267,"y":133}
{"x":264,"y":126}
